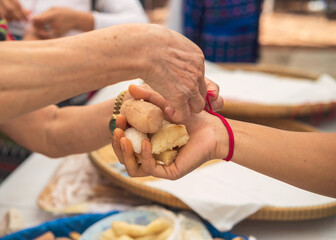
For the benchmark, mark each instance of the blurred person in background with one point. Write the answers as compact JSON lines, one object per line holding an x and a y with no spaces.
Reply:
{"x":225,"y":30}
{"x":44,"y":19}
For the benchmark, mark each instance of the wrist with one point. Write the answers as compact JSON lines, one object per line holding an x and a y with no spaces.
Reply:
{"x":222,"y":138}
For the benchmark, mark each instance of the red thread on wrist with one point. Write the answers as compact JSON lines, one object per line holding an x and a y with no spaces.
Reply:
{"x":226,"y":124}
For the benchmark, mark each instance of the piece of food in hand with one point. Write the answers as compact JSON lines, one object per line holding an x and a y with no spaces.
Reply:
{"x":136,"y":138}
{"x":165,"y":137}
{"x":144,"y":116}
{"x":165,"y":158}
{"x":170,"y":136}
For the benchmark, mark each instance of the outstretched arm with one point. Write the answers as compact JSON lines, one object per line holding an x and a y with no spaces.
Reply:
{"x":36,"y":74}
{"x":305,"y":160}
{"x":58,"y":132}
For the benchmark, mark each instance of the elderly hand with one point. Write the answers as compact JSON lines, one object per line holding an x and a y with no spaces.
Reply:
{"x":147,"y":93}
{"x":12,"y":10}
{"x":57,"y":21}
{"x":207,"y":133}
{"x":175,"y":70}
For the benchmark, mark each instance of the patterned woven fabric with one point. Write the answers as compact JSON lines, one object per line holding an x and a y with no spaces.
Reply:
{"x":226,"y":30}
{"x":11,"y":156}
{"x":3,"y":29}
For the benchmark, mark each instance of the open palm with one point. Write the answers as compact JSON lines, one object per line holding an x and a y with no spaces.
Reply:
{"x":206,"y":133}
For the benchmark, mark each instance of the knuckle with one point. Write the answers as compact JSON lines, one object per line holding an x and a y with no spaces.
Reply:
{"x":181,"y":96}
{"x":193,"y":90}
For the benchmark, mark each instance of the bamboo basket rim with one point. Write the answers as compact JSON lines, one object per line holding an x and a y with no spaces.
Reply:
{"x":247,"y":109}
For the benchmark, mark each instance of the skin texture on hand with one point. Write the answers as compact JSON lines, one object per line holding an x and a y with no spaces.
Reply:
{"x":181,"y":64}
{"x":12,"y":10}
{"x":57,"y":21}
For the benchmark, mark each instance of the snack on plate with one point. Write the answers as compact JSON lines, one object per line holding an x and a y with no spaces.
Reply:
{"x":51,"y":236}
{"x":147,"y":122}
{"x":159,"y":229}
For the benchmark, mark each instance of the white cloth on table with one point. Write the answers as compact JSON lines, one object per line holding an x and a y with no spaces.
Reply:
{"x":256,"y":87}
{"x":226,"y":193}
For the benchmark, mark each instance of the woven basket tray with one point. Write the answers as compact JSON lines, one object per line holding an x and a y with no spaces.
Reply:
{"x":244,"y":109}
{"x":104,"y":158}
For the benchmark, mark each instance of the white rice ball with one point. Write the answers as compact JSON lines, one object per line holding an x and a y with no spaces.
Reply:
{"x":136,"y":138}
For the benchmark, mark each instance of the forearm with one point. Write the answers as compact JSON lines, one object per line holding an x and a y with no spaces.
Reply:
{"x":305,"y":160}
{"x":39,"y":73}
{"x":80,"y":129}
{"x":58,"y":132}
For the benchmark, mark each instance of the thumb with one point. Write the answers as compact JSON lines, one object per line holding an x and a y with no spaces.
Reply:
{"x":148,"y":94}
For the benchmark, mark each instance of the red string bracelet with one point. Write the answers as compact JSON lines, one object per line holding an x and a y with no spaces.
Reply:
{"x":226,"y":124}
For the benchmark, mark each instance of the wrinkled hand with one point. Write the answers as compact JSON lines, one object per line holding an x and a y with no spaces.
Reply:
{"x":176,"y":71}
{"x":12,"y":10}
{"x":207,"y":138}
{"x":54,"y":22}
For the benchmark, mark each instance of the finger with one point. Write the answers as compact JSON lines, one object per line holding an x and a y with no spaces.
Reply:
{"x":202,"y":86}
{"x":38,"y":21}
{"x":117,"y":135}
{"x":43,"y":18}
{"x":150,"y":167}
{"x":14,"y":9}
{"x":196,"y":103}
{"x":213,"y":87}
{"x":132,"y":166}
{"x":10,"y":11}
{"x":41,"y":33}
{"x":147,"y":161}
{"x":217,"y":104}
{"x":179,"y":114}
{"x":148,"y":95}
{"x":121,"y":122}
{"x":21,"y":12}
